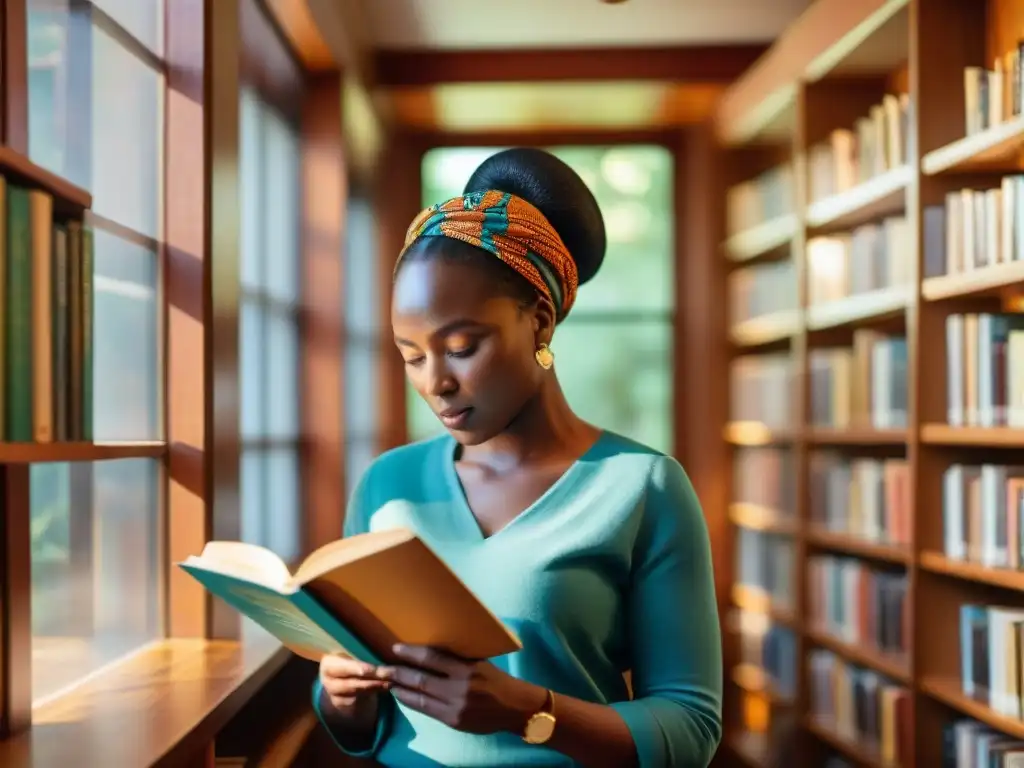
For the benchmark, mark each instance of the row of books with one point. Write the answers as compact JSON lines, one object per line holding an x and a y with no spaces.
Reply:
{"x":46,"y":355}
{"x":975,"y":228}
{"x":764,"y":562}
{"x":861,"y":706}
{"x":876,"y":143}
{"x":966,"y":743}
{"x":865,"y":498}
{"x":765,"y":197}
{"x":864,"y":385}
{"x":985,"y":369}
{"x":996,"y":95}
{"x":868,"y":258}
{"x":762,"y":289}
{"x":765,"y":477}
{"x":770,"y":647}
{"x":983,"y":513}
{"x":992,"y":656}
{"x":858,"y":603}
{"x":761,"y":389}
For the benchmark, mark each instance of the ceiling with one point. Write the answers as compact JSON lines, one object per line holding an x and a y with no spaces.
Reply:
{"x":460,"y":66}
{"x":504,"y":24}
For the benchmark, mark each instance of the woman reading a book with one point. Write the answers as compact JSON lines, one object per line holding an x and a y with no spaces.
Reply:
{"x":591,"y":547}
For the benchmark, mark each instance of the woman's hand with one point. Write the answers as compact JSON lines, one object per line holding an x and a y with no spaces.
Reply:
{"x":470,"y":696}
{"x":353,"y":688}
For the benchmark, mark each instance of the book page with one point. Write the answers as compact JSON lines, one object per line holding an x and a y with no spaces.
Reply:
{"x":244,"y":561}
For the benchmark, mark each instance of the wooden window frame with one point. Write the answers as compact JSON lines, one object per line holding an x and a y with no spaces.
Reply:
{"x":198,"y":262}
{"x":15,"y":559}
{"x":273,"y":72}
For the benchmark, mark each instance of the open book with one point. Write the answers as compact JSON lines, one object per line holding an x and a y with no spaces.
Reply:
{"x":359,"y":595}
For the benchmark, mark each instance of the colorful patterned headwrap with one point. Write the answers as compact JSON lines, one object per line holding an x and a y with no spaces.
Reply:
{"x":513,"y":230}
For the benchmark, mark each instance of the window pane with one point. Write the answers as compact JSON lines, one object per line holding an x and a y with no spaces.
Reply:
{"x":95,"y":566}
{"x":126,"y":136}
{"x":283,"y":507}
{"x":127,"y":343}
{"x":360,"y":387}
{"x":253,"y":499}
{"x":252,"y":367}
{"x":282,"y":215}
{"x":619,"y":376}
{"x":446,"y":171}
{"x":142,"y":19}
{"x":633,"y":186}
{"x":271,"y":504}
{"x":282,"y":373}
{"x":362,"y":326}
{"x":57,"y":40}
{"x":251,"y":185}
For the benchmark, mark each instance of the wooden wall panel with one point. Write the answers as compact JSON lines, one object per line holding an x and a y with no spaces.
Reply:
{"x":221,"y":273}
{"x":324,"y":197}
{"x":396,"y":201}
{"x":202,"y":224}
{"x":185,"y":264}
{"x":14,"y":75}
{"x":702,"y":407}
{"x":15,"y":601}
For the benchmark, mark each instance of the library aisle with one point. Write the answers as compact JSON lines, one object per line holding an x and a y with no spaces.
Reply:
{"x":874,"y":267}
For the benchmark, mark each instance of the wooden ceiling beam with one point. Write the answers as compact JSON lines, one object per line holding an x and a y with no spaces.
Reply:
{"x":543,"y":137}
{"x":697,"y":63}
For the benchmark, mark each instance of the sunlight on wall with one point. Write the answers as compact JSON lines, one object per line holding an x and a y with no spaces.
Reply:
{"x":614,"y":351}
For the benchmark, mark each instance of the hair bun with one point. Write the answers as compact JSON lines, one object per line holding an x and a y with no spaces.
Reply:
{"x":557,"y":191}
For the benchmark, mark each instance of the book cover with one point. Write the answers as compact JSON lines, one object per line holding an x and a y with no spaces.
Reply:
{"x":293,"y":617}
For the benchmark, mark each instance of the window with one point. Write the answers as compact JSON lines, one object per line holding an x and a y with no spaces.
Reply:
{"x":269,"y":334}
{"x":362,"y":338}
{"x":96,"y":90}
{"x":614,"y":352}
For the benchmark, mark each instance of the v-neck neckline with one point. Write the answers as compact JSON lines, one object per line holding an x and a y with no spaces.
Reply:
{"x":467,"y":519}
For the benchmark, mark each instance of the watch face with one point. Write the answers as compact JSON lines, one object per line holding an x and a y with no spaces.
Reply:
{"x":540,"y":728}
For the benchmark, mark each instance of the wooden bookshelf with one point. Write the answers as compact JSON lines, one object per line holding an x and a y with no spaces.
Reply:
{"x":864,"y":436}
{"x":69,"y":199}
{"x":943,"y":434}
{"x":902,"y":203}
{"x":760,"y":518}
{"x":764,"y":238}
{"x":866,"y":201}
{"x":999,"y":148}
{"x":34,"y":453}
{"x":870,"y":305}
{"x":65,"y":416}
{"x":982,"y":280}
{"x":857,"y":546}
{"x":769,"y":329}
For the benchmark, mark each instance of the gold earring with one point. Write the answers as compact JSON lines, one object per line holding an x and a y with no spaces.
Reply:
{"x":545,"y":357}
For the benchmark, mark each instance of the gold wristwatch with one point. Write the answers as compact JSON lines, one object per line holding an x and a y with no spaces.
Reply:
{"x":541,"y":726}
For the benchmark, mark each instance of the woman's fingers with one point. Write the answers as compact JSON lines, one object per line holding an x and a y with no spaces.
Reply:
{"x":352,"y":686}
{"x":344,"y":666}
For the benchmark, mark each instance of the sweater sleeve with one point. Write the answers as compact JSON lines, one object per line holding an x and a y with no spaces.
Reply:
{"x":380,"y":733}
{"x":360,"y":506}
{"x":676,"y":646}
